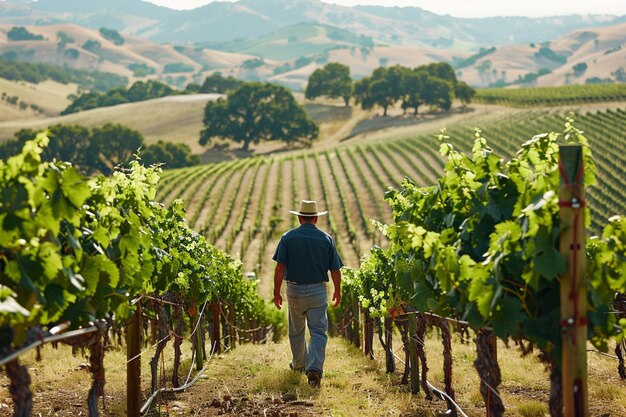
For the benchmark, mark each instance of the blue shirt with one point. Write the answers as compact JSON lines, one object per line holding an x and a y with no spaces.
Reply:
{"x":308,"y":253}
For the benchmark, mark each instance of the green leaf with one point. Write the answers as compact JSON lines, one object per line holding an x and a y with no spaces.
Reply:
{"x":507,"y":317}
{"x":50,"y":259}
{"x":99,"y":270}
{"x":482,"y":294}
{"x":74,"y":187}
{"x":547,"y":261}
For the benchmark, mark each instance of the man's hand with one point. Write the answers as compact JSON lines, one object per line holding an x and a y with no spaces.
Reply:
{"x":336,"y":276}
{"x":279,"y":273}
{"x":278,"y":300}
{"x":336,"y":298}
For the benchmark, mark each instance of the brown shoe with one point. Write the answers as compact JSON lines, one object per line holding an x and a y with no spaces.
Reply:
{"x":301,"y":370}
{"x":315,"y":377}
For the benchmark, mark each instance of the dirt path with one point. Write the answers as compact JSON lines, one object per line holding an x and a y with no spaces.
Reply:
{"x":240,"y":238}
{"x":234,"y":205}
{"x":256,"y":381}
{"x":348,"y":253}
{"x":184,"y":184}
{"x":364,"y":180}
{"x":354,"y":203}
{"x":210,"y":213}
{"x":283,"y":198}
{"x":251,"y":256}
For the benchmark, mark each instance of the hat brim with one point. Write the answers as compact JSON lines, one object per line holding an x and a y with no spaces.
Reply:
{"x":297,"y":213}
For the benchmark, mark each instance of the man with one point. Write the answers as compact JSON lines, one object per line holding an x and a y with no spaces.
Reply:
{"x":304,"y":256}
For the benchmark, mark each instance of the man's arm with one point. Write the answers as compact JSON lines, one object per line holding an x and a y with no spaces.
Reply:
{"x":336,"y":276}
{"x":279,"y":273}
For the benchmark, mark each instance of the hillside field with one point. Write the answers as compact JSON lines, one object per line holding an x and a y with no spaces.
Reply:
{"x":175,"y":119}
{"x":50,"y":96}
{"x":242,"y":205}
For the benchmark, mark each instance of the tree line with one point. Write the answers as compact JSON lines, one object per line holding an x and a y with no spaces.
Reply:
{"x":139,"y":91}
{"x":434,"y":85}
{"x":101,"y":149}
{"x":262,"y":111}
{"x":13,"y":70}
{"x":147,"y":90}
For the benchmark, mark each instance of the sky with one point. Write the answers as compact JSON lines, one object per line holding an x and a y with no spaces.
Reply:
{"x":468,"y":8}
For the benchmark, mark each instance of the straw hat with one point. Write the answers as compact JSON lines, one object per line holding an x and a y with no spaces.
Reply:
{"x":308,"y":209}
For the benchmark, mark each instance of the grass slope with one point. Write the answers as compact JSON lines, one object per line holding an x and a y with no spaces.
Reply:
{"x":255,"y":380}
{"x":50,"y":96}
{"x":175,"y":119}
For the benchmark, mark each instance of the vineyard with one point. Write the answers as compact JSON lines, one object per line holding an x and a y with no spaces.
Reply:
{"x":83,"y":258}
{"x":478,"y":251}
{"x":552,"y":96}
{"x":240,"y":205}
{"x":465,"y":242}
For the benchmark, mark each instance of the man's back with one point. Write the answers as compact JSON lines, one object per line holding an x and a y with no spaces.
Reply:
{"x":308,"y":254}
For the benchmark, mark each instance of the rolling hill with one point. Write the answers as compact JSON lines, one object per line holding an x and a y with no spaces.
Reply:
{"x":176,"y":119}
{"x":49,"y":96}
{"x":89,"y":49}
{"x":290,"y":54}
{"x":224,"y":21}
{"x":600,"y":49}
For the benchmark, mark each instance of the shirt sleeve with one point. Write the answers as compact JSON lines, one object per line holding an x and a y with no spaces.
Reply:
{"x":334,"y":261}
{"x":280,"y":255}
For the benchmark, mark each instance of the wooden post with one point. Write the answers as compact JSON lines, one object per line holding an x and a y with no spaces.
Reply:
{"x":573,"y":283}
{"x":198,"y":335}
{"x":356,"y":330}
{"x":390,"y":363}
{"x":232,"y":325}
{"x":415,"y":372}
{"x":368,"y":334}
{"x":216,"y":340}
{"x":133,"y":367}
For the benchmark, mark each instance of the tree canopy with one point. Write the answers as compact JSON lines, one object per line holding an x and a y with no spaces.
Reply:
{"x":139,"y":91}
{"x":216,"y":83}
{"x":20,"y":33}
{"x":35,"y":73}
{"x":255,"y":112}
{"x":433,"y":84}
{"x":101,"y":149}
{"x":332,"y":81}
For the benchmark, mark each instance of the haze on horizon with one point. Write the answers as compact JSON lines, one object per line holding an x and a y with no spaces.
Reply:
{"x":464,"y":8}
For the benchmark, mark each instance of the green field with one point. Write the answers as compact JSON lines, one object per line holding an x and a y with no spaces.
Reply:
{"x":552,"y":96}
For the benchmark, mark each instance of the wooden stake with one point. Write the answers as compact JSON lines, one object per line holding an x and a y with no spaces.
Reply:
{"x":573,"y":283}
{"x":356,"y":324}
{"x":198,"y":335}
{"x":415,"y":372}
{"x":368,"y":334}
{"x":133,"y":367}
{"x":216,"y":340}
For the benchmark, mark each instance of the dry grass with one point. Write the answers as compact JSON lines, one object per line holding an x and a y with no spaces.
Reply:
{"x":50,"y":96}
{"x":258,"y":376}
{"x":532,"y":408}
{"x":167,"y":119}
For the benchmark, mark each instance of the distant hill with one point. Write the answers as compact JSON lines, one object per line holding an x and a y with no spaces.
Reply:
{"x":284,"y":41}
{"x":601,"y":52}
{"x":291,"y":42}
{"x":227,"y":21}
{"x":176,"y":119}
{"x":136,"y":58}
